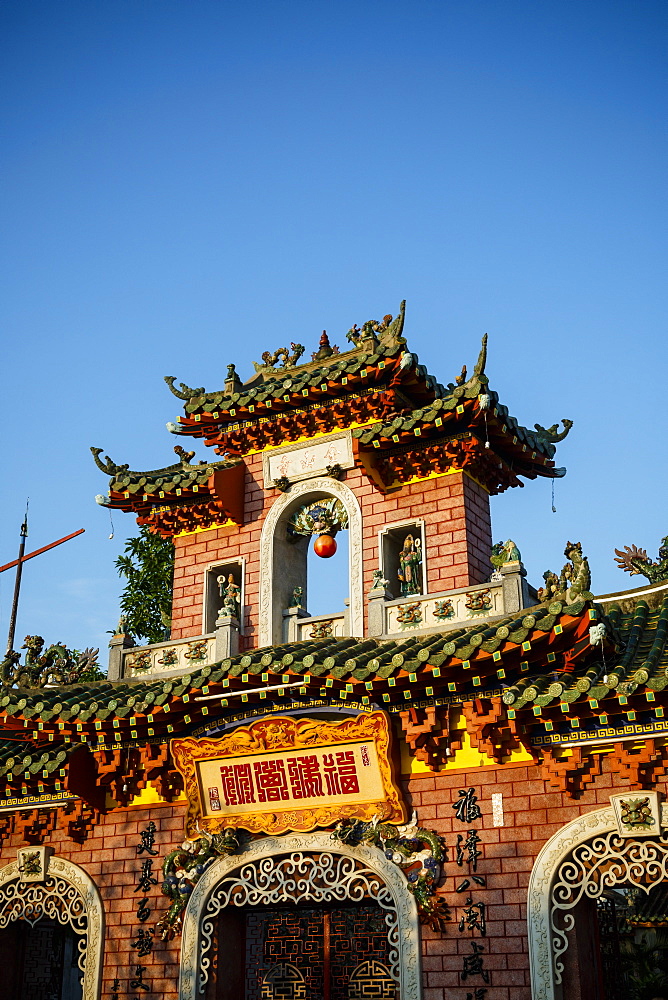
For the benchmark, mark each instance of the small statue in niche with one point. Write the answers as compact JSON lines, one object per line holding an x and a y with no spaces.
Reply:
{"x":297,"y":597}
{"x":231,"y":594}
{"x":410,"y":562}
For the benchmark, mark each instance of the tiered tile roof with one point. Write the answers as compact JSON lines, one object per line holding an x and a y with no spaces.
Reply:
{"x":534,"y":677}
{"x":405,"y":424}
{"x":180,"y":497}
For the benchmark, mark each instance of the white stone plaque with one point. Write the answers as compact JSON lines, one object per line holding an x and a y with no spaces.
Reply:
{"x":310,"y":458}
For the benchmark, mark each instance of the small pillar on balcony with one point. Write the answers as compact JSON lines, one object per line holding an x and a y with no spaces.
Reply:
{"x":291,"y":618}
{"x":515,"y":587}
{"x":119,"y":642}
{"x":377,"y":597}
{"x":227,"y":634}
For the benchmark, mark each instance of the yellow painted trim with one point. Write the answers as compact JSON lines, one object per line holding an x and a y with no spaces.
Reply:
{"x":149,"y":797}
{"x":397,"y":485}
{"x":212,"y":527}
{"x":465,"y":759}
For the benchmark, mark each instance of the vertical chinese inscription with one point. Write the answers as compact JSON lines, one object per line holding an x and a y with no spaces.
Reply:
{"x":473,"y":918}
{"x":141,"y":939}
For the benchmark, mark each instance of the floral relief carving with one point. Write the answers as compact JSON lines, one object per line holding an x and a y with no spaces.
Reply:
{"x":540,"y":903}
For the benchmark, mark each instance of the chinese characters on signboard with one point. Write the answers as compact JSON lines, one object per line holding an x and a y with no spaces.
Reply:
{"x":306,"y":460}
{"x":282,"y":774}
{"x":283,"y":781}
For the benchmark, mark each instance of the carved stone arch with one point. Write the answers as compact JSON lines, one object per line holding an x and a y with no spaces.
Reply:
{"x":579,"y":862}
{"x":69,"y":896}
{"x":300,"y":868}
{"x":275,"y":586}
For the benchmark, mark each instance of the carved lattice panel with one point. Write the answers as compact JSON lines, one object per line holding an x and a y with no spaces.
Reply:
{"x":319,"y":954}
{"x":289,"y":939}
{"x":358,"y":937}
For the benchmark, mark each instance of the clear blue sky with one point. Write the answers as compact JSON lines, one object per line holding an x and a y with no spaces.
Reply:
{"x":186,"y":184}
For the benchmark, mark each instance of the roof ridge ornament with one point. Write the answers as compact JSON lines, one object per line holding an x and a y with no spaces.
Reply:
{"x":289,"y":359}
{"x":393,"y":337}
{"x":185,"y":456}
{"x":482,"y":359}
{"x":636,"y":561}
{"x":551,"y":434}
{"x":325,"y":349}
{"x":186,"y":392}
{"x":108,"y":467}
{"x":573,"y":582}
{"x":55,"y":665}
{"x":388,"y":332}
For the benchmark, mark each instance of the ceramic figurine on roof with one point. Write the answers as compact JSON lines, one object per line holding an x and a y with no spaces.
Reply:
{"x":289,"y":358}
{"x":53,"y":666}
{"x":634,"y":560}
{"x":504,"y":552}
{"x":574,"y":580}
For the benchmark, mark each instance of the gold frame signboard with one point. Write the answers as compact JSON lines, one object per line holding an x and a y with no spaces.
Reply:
{"x":281,"y":774}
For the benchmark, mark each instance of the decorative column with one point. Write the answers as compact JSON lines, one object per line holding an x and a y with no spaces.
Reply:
{"x":227,"y":635}
{"x":119,"y":642}
{"x":291,"y":618}
{"x":515,"y":588}
{"x":377,"y":597}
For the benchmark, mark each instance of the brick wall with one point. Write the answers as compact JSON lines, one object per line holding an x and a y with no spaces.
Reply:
{"x":109,"y":856}
{"x":532,"y":814}
{"x":457,"y":525}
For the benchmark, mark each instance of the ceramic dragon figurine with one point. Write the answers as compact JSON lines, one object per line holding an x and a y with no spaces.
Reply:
{"x":58,"y":665}
{"x":182,"y":870}
{"x":289,"y":360}
{"x":635,"y":561}
{"x":418,"y":852}
{"x":504,"y":552}
{"x":574,"y":580}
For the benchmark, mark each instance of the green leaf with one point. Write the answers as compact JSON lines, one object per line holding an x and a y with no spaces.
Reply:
{"x":146,"y":602}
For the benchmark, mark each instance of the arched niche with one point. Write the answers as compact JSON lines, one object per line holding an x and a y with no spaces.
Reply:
{"x":322,"y":870}
{"x":583,"y":859}
{"x":67,"y":895}
{"x":283,"y":563}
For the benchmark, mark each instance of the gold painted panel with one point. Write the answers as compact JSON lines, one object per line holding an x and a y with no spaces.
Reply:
{"x":282,"y":774}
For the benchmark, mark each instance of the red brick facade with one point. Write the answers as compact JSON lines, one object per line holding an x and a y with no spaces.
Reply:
{"x":533,"y":812}
{"x":455,"y":510}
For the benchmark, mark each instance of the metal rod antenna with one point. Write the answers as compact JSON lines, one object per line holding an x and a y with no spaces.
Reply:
{"x":17,"y":582}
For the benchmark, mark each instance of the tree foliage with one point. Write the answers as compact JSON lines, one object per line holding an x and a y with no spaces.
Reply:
{"x":146,"y":602}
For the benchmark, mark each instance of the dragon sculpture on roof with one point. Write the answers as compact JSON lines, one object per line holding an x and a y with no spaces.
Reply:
{"x":636,"y":561}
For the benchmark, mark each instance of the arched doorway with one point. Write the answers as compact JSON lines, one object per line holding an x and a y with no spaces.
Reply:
{"x":51,"y":934}
{"x":40,"y":961}
{"x":282,"y":564}
{"x":299,"y":916}
{"x":575,"y":881}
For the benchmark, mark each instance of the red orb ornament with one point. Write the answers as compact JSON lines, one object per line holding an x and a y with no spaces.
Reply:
{"x":324,"y":546}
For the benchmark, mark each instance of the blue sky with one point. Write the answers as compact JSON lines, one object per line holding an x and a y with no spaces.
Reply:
{"x":189,"y":184}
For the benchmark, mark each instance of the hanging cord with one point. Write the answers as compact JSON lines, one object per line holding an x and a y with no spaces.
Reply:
{"x":111,"y":522}
{"x":554,"y":509}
